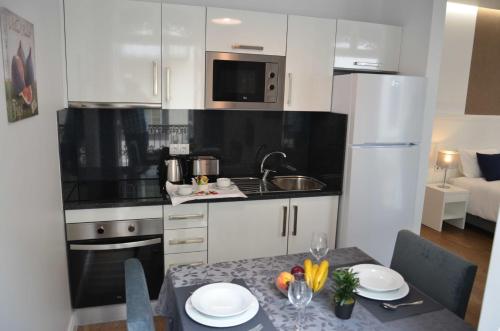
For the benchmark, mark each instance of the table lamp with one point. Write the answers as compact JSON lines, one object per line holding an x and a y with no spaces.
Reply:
{"x":446,"y":160}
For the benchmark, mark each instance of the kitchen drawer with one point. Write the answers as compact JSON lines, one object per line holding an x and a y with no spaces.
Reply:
{"x":112,"y":214}
{"x":192,"y":258}
{"x":185,"y":216}
{"x":185,"y":240}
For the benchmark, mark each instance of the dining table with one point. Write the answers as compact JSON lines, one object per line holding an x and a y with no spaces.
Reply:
{"x":259,"y":276}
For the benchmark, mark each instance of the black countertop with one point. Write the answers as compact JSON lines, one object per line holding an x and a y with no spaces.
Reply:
{"x":165,"y":200}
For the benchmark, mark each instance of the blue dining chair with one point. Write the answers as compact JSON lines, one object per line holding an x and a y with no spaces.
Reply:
{"x":440,"y":274}
{"x":139,"y":310}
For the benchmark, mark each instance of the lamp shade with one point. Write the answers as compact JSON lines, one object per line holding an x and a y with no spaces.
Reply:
{"x":447,"y":159}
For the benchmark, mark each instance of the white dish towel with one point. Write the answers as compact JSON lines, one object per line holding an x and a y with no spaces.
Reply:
{"x":213,"y":193}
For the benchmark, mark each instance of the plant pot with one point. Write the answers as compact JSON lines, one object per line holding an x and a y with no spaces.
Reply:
{"x":344,"y":311}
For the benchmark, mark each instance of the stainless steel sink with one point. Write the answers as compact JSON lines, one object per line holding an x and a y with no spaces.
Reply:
{"x":298,"y":183}
{"x":252,"y":185}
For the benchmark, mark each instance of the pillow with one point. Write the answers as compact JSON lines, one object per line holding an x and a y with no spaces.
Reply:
{"x":468,"y":161}
{"x":490,"y":166}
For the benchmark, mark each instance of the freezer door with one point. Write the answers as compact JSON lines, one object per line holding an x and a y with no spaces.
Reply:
{"x":387,"y":109}
{"x":378,"y":199}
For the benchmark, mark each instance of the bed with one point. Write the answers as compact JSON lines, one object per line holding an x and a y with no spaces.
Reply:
{"x":484,"y":200}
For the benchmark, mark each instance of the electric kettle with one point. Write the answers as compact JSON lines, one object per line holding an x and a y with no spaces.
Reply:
{"x":174,"y":170}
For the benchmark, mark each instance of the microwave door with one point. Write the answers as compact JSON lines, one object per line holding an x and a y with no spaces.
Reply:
{"x":239,"y":81}
{"x":244,"y":81}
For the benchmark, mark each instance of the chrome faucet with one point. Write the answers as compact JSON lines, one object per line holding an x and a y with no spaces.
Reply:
{"x":266,"y":172}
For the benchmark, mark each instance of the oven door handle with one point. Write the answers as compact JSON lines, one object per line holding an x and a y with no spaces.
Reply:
{"x":107,"y":247}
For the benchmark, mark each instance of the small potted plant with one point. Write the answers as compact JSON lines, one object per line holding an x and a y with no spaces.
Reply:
{"x":346,"y":283}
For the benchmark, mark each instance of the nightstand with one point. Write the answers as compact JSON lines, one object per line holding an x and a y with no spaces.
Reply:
{"x":445,"y":204}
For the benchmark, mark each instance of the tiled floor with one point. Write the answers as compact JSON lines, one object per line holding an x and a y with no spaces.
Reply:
{"x":473,"y":245}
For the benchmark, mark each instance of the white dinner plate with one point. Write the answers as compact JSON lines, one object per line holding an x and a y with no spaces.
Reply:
{"x":222,"y":299}
{"x":222,"y":322}
{"x":378,"y":278}
{"x":385,"y":296}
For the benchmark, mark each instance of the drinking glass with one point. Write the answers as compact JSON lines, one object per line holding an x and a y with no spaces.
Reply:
{"x":299,"y":294}
{"x":319,"y":245}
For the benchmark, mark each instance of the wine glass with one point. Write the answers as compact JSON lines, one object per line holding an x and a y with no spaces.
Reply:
{"x":299,"y":294}
{"x":319,"y":245}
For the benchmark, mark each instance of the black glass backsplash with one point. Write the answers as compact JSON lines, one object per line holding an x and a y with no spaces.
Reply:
{"x":113,"y":154}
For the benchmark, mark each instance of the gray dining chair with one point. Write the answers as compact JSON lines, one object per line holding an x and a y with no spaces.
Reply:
{"x":440,"y":274}
{"x":139,"y":311}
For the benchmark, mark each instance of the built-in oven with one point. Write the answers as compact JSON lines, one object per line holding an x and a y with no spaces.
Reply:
{"x":97,"y":252}
{"x":244,"y":81}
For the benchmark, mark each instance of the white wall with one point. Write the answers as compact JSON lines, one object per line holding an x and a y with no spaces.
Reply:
{"x":457,"y":54}
{"x":452,"y":128}
{"x":34,"y":291}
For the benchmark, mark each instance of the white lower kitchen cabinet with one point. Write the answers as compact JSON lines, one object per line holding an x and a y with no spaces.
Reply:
{"x":191,"y":259}
{"x":247,"y":229}
{"x":185,"y":235}
{"x":252,"y":229}
{"x":309,"y":215}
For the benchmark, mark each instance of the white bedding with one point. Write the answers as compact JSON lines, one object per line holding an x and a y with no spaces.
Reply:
{"x":484,"y":196}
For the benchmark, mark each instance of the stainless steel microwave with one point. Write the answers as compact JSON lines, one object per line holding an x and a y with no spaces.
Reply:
{"x":244,"y":81}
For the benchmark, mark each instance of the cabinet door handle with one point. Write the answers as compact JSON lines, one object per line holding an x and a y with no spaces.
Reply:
{"x":295,"y":212}
{"x":184,"y":217}
{"x":186,"y":241}
{"x":155,"y":77}
{"x":289,"y":99}
{"x":285,"y":216}
{"x":248,"y":47}
{"x":167,"y":84}
{"x":367,"y":64}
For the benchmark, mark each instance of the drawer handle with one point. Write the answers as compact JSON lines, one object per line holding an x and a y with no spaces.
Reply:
{"x":155,"y":78}
{"x":285,"y":216}
{"x":248,"y":47}
{"x":186,"y":241}
{"x":295,"y":212}
{"x":191,"y":264}
{"x":184,"y":217}
{"x":367,"y":64}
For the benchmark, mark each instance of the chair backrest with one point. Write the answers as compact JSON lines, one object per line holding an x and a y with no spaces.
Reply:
{"x":442,"y":275}
{"x":139,"y":310}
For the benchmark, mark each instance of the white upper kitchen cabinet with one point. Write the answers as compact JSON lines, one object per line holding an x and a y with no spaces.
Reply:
{"x":183,"y":57}
{"x":240,"y":31}
{"x":113,"y":51}
{"x":309,"y":215}
{"x":309,"y":63}
{"x":367,"y":46}
{"x":247,"y":229}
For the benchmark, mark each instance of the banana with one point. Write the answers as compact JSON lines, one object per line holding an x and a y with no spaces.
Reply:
{"x":308,"y":272}
{"x":314,"y":271}
{"x":320,"y":276}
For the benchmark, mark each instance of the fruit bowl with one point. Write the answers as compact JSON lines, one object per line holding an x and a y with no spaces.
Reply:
{"x":315,"y":275}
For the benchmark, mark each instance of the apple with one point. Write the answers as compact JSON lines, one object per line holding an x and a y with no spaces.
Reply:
{"x":297,"y":269}
{"x":284,"y":280}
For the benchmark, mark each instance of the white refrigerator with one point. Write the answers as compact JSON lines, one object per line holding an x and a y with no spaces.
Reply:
{"x":385,"y":115}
